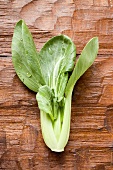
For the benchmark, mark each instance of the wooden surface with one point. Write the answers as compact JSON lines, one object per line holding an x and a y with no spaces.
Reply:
{"x":90,"y":146}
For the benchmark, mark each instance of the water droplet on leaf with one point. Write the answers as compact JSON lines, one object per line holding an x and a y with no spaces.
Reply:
{"x":29,"y":75}
{"x":50,"y":51}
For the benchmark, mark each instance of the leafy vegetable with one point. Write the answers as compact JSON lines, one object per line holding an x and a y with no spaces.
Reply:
{"x":47,"y":73}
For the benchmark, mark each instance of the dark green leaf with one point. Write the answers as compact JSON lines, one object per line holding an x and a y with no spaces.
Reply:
{"x":26,"y":60}
{"x":85,"y":60}
{"x":57,"y":58}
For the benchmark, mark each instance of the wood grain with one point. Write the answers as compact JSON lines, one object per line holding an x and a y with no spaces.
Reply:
{"x":81,"y":20}
{"x":91,"y":139}
{"x":90,"y":146}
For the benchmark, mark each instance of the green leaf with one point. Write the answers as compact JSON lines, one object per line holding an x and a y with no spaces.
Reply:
{"x":85,"y":60}
{"x":57,"y":58}
{"x":44,"y":98}
{"x":61,"y":85}
{"x":26,"y":60}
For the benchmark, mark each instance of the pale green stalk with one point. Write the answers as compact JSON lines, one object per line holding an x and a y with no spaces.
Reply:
{"x":54,"y":142}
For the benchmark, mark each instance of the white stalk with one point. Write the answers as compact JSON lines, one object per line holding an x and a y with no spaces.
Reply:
{"x":48,"y":132}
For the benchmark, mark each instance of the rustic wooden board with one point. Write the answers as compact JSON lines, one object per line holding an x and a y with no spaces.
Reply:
{"x":81,"y":20}
{"x":90,"y":146}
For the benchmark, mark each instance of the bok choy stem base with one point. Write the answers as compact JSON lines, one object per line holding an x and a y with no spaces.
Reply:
{"x":49,"y":135}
